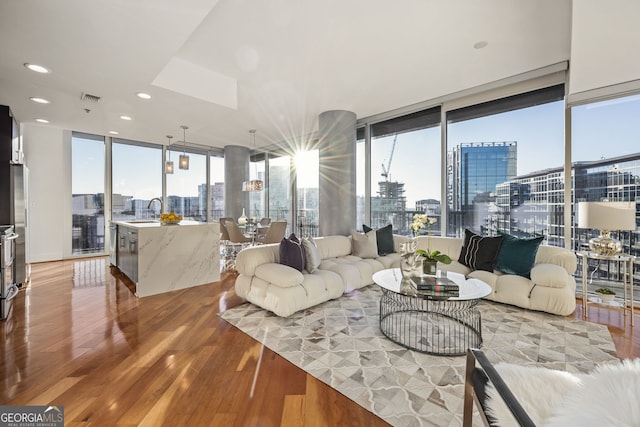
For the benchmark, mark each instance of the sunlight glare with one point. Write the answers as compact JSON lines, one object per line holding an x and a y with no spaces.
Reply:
{"x":306,"y":163}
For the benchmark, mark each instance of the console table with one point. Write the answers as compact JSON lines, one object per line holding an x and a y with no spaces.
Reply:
{"x":627,"y":277}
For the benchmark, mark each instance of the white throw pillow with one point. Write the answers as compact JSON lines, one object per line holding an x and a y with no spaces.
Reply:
{"x":312,"y":254}
{"x":364,"y":245}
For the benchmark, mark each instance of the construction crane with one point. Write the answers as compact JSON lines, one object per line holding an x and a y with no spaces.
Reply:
{"x":385,"y":170}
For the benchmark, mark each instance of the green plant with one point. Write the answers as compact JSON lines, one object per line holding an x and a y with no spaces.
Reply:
{"x":605,"y":291}
{"x":434,"y":256}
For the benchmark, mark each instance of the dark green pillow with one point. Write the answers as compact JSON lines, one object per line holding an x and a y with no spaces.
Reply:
{"x":517,"y":256}
{"x":384,"y":239}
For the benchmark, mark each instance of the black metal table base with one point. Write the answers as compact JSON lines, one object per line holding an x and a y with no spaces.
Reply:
{"x":440,"y":327}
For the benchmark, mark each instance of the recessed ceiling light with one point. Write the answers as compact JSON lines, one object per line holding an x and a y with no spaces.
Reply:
{"x":42,"y":120}
{"x":37,"y":68}
{"x":125,"y":118}
{"x":480,"y":44}
{"x":113,"y":132}
{"x":39,"y":100}
{"x":143,"y":95}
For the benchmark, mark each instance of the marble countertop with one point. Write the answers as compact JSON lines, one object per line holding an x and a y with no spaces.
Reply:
{"x":153,"y":224}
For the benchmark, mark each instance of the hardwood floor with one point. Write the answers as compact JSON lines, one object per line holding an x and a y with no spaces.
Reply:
{"x":79,"y":338}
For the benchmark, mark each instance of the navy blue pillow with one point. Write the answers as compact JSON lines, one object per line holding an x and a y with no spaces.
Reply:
{"x":292,"y":252}
{"x":384,"y":239}
{"x":517,"y":256}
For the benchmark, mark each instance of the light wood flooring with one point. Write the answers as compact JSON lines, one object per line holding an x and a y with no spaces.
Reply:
{"x":79,"y":338}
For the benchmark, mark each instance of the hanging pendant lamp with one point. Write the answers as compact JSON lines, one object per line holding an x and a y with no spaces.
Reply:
{"x":253,"y":184}
{"x":183,"y":162}
{"x":168,"y":165}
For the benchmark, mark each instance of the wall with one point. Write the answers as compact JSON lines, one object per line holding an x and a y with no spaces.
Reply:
{"x":48,"y":212}
{"x":604,"y":44}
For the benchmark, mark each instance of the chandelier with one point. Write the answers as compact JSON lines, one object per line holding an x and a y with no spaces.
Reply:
{"x":168,"y":165}
{"x":253,"y":184}
{"x":183,"y":162}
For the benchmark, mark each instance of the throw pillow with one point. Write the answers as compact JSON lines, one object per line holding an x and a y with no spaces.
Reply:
{"x":479,"y":253}
{"x":384,"y":238}
{"x":364,"y":245}
{"x":517,"y":256}
{"x":292,"y":252}
{"x":312,"y":254}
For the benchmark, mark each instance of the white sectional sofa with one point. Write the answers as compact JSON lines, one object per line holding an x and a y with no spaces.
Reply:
{"x":284,"y":290}
{"x":552,"y":287}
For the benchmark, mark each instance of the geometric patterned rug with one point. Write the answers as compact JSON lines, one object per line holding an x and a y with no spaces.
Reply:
{"x":340,"y":343}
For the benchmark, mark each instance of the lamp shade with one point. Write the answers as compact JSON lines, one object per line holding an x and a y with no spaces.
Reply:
{"x":609,"y":216}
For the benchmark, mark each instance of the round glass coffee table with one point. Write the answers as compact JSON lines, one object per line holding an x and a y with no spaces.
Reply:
{"x":441,"y":325}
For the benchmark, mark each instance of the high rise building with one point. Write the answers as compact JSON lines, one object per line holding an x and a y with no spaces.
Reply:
{"x":390,"y":207}
{"x":474,"y":170}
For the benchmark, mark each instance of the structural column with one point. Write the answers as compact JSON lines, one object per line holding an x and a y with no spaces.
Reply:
{"x":236,"y":171}
{"x":337,"y":152}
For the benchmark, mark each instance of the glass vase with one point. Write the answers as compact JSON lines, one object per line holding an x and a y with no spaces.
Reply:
{"x":410,"y":262}
{"x":429,"y":267}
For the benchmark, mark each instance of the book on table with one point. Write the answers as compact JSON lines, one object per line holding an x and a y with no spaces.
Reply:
{"x":436,"y":284}
{"x":436,"y":288}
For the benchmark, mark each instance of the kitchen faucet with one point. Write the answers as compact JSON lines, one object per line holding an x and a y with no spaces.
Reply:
{"x":151,"y":201}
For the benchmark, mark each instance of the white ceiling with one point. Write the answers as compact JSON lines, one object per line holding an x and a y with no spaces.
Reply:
{"x":223,"y":67}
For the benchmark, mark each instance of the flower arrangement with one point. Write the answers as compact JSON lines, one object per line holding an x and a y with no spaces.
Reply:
{"x":419,"y":221}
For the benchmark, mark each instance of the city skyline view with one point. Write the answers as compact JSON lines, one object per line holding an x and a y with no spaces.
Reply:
{"x":539,"y":140}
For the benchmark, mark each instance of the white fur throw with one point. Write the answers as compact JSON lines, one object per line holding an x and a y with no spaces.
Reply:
{"x":609,"y":396}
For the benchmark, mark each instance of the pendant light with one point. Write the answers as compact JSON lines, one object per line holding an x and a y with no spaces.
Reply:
{"x":183,"y":162}
{"x":168,"y":165}
{"x":253,"y":184}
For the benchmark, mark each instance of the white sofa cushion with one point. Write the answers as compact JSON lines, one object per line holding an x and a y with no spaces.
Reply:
{"x":550,"y":275}
{"x":279,"y":274}
{"x":333,"y":246}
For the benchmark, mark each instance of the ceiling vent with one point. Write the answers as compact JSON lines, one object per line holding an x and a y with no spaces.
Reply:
{"x":90,"y":98}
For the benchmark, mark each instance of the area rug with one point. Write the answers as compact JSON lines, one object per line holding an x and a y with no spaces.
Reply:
{"x":340,"y":343}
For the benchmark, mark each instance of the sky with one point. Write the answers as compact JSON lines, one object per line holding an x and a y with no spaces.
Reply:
{"x":600,"y":130}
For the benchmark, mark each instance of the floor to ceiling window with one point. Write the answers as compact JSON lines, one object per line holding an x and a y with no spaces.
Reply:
{"x":606,"y":160}
{"x":136,"y":179}
{"x":307,"y":192}
{"x":87,"y":193}
{"x":405,"y":170}
{"x":505,"y":166}
{"x":280,"y":188}
{"x":360,"y":179}
{"x":187,"y":189}
{"x":216,"y":183}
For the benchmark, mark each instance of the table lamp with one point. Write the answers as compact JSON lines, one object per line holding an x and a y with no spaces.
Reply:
{"x":606,"y":217}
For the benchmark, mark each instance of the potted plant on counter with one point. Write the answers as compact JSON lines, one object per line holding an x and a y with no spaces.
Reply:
{"x":606,"y":294}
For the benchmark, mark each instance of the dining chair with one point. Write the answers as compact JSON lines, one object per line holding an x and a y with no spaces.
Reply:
{"x":226,"y":250}
{"x":262,"y":227}
{"x":274,"y":233}
{"x":235,"y":234}
{"x":265,"y":222}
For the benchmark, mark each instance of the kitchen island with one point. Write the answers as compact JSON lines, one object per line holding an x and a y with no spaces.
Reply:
{"x":161,"y":258}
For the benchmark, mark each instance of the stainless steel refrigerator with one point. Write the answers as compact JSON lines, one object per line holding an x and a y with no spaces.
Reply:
{"x":13,"y":185}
